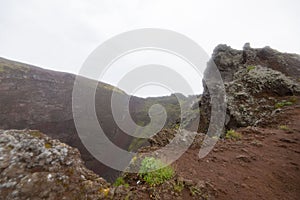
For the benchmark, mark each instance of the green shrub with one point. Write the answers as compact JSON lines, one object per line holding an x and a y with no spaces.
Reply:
{"x":232,"y":134}
{"x":153,"y":171}
{"x":283,"y":103}
{"x":120,"y":181}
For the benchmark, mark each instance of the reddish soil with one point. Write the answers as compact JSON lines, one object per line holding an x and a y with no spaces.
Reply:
{"x":264,"y":164}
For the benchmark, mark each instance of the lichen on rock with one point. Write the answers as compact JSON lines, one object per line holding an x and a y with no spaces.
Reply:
{"x":33,"y":166}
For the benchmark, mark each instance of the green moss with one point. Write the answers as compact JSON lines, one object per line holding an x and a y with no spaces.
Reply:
{"x":283,"y":104}
{"x":120,"y":181}
{"x":232,"y":134}
{"x":249,"y":68}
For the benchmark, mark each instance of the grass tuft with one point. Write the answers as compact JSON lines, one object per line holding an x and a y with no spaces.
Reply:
{"x":283,"y":104}
{"x":120,"y":181}
{"x":232,"y":134}
{"x":154,"y":172}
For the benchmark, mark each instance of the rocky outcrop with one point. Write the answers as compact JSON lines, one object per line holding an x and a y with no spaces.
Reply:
{"x":255,"y":81}
{"x":33,"y":166}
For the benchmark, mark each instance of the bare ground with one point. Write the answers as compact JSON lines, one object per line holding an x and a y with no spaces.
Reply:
{"x":264,"y":164}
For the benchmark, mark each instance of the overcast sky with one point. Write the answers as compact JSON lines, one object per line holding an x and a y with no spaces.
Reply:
{"x":59,"y":35}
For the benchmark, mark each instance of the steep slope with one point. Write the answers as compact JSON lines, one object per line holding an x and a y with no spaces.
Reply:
{"x":41,"y":99}
{"x":36,"y":98}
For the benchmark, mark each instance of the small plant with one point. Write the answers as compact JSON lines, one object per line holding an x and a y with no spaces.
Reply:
{"x":177,"y":126}
{"x":284,"y":127}
{"x":283,"y":103}
{"x":178,"y":186}
{"x":249,"y":68}
{"x":195,"y":191}
{"x":232,"y":134}
{"x":154,"y":171}
{"x":120,"y":181}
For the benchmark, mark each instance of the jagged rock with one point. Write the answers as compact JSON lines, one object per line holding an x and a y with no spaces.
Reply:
{"x":33,"y":166}
{"x":227,"y":61}
{"x":255,"y":80}
{"x":249,"y":96}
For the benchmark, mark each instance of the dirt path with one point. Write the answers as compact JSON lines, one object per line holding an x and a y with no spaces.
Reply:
{"x":264,"y":164}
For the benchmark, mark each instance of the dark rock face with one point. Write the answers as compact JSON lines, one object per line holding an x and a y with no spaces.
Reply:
{"x":255,"y":80}
{"x":288,"y":64}
{"x":227,"y":61}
